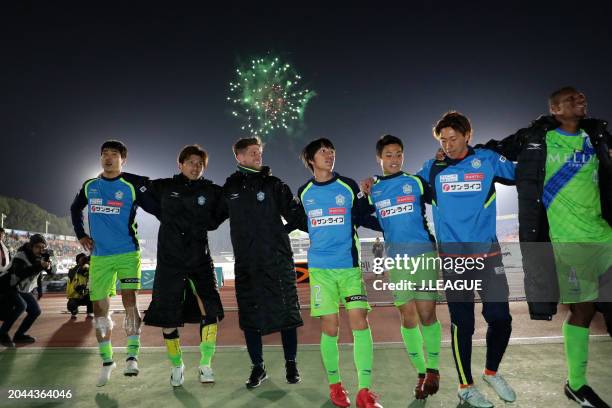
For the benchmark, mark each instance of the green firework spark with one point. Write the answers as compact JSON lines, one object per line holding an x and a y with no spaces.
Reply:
{"x":267,"y":95}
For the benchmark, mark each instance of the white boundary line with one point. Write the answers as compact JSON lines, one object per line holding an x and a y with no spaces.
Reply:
{"x":599,"y":338}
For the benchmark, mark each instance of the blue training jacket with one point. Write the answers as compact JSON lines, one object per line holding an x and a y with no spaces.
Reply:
{"x":463,"y":199}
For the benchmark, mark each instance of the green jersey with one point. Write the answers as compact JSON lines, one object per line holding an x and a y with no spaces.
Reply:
{"x":571,"y":191}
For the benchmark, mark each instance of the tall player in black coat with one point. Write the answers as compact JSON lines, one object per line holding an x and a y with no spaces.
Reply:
{"x":185,"y":287}
{"x":266,"y":288}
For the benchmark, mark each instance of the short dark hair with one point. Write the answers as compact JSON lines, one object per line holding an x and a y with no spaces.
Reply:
{"x":455,"y":120}
{"x":243,"y":143}
{"x":554,"y":97}
{"x":387,"y":140}
{"x":309,"y":151}
{"x":115,"y":145}
{"x":193,"y":149}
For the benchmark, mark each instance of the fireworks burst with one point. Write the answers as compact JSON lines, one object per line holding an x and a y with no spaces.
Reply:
{"x":268,"y":95}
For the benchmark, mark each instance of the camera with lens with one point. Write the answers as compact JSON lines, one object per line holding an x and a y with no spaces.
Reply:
{"x":46,"y":255}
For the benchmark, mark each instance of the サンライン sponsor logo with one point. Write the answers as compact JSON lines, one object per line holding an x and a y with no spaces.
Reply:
{"x":104,"y":209}
{"x":327,"y":221}
{"x":462,"y":187}
{"x":396,"y":210}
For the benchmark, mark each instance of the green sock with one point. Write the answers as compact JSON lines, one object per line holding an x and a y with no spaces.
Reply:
{"x":432,"y":336}
{"x":331,"y":357}
{"x":106,"y":351}
{"x":173,"y":347}
{"x":208,"y":344}
{"x":363,"y":353}
{"x":133,"y":346}
{"x":577,"y":354}
{"x":413,"y":340}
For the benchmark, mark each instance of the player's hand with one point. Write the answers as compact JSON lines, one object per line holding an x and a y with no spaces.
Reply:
{"x":39,"y":294}
{"x":366,"y":185}
{"x":440,"y":154}
{"x":87,"y":243}
{"x":45,"y":264}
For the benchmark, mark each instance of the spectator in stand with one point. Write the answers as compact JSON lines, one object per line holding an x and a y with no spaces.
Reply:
{"x":77,"y":290}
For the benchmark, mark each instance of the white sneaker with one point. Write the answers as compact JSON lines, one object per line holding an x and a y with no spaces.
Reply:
{"x":206,"y":374}
{"x":105,"y":374}
{"x":131,"y":367}
{"x":176,"y":375}
{"x":473,"y":397}
{"x":501,"y":387}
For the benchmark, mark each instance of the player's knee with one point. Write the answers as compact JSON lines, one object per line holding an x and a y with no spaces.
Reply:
{"x":103,"y":325}
{"x":170,"y":333}
{"x":208,"y":320}
{"x":494,"y":312}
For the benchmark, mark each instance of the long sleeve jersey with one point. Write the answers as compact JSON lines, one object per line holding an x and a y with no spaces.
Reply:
{"x":111,"y":210}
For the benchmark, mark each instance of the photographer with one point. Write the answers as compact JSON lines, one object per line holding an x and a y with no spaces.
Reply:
{"x":29,"y":262}
{"x":77,"y":291}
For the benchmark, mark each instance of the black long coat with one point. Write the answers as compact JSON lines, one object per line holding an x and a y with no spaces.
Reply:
{"x":187,"y":212}
{"x":265,"y":272}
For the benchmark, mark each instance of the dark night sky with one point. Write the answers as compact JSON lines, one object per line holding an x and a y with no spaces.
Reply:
{"x":157,"y":79}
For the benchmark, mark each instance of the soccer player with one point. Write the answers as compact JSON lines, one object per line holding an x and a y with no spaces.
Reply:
{"x":112,"y":199}
{"x":335,"y":208}
{"x":399,"y":199}
{"x":185,"y":288}
{"x":564,"y":183}
{"x":464,"y":210}
{"x":266,"y":289}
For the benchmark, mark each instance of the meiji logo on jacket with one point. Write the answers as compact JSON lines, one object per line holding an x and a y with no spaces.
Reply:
{"x":315,"y":213}
{"x":383,"y":203}
{"x":447,"y":178}
{"x":261,"y":196}
{"x":201,"y":200}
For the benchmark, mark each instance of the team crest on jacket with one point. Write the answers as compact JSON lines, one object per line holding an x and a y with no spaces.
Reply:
{"x":201,"y":200}
{"x":119,"y":195}
{"x":476,"y":163}
{"x":407,"y":188}
{"x":260,"y":196}
{"x":339,"y":199}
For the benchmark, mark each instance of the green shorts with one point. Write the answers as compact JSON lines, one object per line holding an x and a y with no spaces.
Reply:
{"x":104,"y":270}
{"x":579,"y":267}
{"x":330,"y":286}
{"x":425,"y":273}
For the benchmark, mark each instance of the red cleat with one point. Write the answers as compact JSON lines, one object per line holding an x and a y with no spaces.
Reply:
{"x":367,"y":399}
{"x":419,"y":393}
{"x":432,"y":381}
{"x":339,"y":396}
